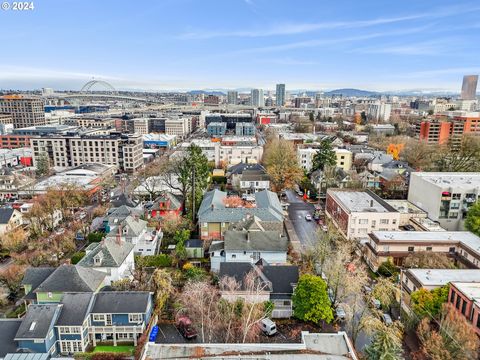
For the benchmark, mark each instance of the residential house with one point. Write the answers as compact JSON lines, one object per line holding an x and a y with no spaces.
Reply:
{"x":380,"y":158}
{"x":135,"y":231}
{"x":10,"y":219}
{"x":250,"y":244}
{"x":215,"y":217}
{"x":47,"y":285}
{"x":76,"y":322}
{"x":115,"y":216}
{"x":252,"y":181}
{"x":36,"y":332}
{"x":165,"y":204}
{"x":369,"y":180}
{"x":276,"y":284}
{"x":113,"y":257}
{"x":234,"y":173}
{"x":356,"y":213}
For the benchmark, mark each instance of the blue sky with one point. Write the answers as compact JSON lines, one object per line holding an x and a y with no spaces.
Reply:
{"x":199,"y":44}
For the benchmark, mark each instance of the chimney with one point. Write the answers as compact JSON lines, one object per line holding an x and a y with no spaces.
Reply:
{"x":213,"y":207}
{"x":371,"y":203}
{"x":118,"y":238}
{"x":248,"y":236}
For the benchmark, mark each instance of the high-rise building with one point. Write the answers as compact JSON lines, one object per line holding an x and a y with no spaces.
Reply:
{"x":256,"y":98}
{"x":232,"y":97}
{"x":469,"y":87}
{"x":379,"y":111}
{"x":280,"y":94}
{"x":25,"y":111}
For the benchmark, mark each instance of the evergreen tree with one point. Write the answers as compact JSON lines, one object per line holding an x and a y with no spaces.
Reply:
{"x":325,"y":156}
{"x":386,"y":344}
{"x":310,"y":300}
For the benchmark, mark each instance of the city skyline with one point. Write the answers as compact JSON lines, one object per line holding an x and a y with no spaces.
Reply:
{"x":185,"y":45}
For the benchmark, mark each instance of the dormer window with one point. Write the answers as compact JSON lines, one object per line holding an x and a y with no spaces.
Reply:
{"x":97,"y":259}
{"x":32,"y":326}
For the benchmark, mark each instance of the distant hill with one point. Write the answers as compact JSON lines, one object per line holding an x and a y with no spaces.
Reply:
{"x":351,"y":92}
{"x":206,"y":92}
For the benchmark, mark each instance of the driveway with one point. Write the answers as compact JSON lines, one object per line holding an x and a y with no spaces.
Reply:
{"x":168,"y":334}
{"x":305,"y":230}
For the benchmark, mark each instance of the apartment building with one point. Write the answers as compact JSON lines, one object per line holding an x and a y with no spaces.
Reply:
{"x":123,"y":151}
{"x":465,"y":296}
{"x":25,"y":110}
{"x":445,"y":196}
{"x":449,"y":126}
{"x":305,"y":156}
{"x":216,"y":129}
{"x":12,"y":141}
{"x":356,"y":213}
{"x":89,"y":122}
{"x":232,"y":155}
{"x":6,"y":119}
{"x":397,"y":245}
{"x":244,"y":129}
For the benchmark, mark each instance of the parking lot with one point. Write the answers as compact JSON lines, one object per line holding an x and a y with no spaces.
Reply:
{"x":168,"y":334}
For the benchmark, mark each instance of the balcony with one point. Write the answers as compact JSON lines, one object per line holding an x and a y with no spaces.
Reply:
{"x":117,"y":329}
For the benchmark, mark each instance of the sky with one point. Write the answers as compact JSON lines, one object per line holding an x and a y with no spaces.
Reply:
{"x":383,"y":45}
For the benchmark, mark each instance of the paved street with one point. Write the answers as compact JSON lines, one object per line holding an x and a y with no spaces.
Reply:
{"x":306,"y":230}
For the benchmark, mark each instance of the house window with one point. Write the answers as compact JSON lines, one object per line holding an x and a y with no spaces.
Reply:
{"x":451,"y":250}
{"x":456,"y":196}
{"x":459,"y":299}
{"x":384,"y":221}
{"x":135,"y":318}
{"x":234,"y":256}
{"x":478,"y":321}
{"x":429,"y":248}
{"x":386,"y":248}
{"x":452,"y":297}
{"x":464,"y":307}
{"x":98,"y":317}
{"x":363,"y":221}
{"x":411,"y":248}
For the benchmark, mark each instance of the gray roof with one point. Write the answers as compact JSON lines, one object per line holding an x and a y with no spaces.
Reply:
{"x":38,"y":321}
{"x":117,"y":215}
{"x":34,"y":276}
{"x":122,"y":199}
{"x":254,"y":175}
{"x":121,"y":302}
{"x":255,"y":240}
{"x":5,"y":215}
{"x":241,"y":167}
{"x":8,"y":329}
{"x":75,"y":308}
{"x":212,"y":209}
{"x":175,"y":202}
{"x":72,"y":278}
{"x":360,"y":201}
{"x":114,"y":253}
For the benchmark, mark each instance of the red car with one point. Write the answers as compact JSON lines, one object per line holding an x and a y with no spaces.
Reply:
{"x":184,"y":325}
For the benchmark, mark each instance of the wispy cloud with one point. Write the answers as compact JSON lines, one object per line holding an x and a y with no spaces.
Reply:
{"x":426,"y":48}
{"x":327,"y":41}
{"x":301,"y":28}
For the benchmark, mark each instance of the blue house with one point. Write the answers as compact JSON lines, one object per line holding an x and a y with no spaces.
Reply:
{"x":36,"y":332}
{"x":79,"y":320}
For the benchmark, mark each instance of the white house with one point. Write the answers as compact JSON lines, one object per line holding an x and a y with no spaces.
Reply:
{"x":250,"y":244}
{"x":111,"y":256}
{"x":135,"y":231}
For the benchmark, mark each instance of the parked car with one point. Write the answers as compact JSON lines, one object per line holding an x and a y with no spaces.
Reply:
{"x":184,"y":325}
{"x":299,"y":193}
{"x":408,"y":228}
{"x":325,"y":228}
{"x":340,"y":314}
{"x":387,"y":319}
{"x":308,"y":217}
{"x":268,"y":327}
{"x":366,"y":289}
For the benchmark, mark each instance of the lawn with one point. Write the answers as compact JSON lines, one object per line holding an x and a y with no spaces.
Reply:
{"x":115,"y":349}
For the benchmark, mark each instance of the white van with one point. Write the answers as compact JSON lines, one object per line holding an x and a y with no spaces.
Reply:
{"x":268,"y":327}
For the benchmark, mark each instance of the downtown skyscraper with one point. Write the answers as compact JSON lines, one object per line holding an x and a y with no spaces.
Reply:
{"x":469,"y":87}
{"x":256,"y":98}
{"x":280,"y":95}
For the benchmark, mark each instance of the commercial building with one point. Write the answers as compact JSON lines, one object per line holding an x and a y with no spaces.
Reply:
{"x":231,"y":155}
{"x":25,"y":111}
{"x":244,"y":129}
{"x":232,"y":97}
{"x":74,"y":149}
{"x":180,"y":127}
{"x":280,"y":95}
{"x":469,"y":87}
{"x":356,"y":213}
{"x":463,"y":246}
{"x":257,"y":98}
{"x":159,"y":141}
{"x":230,"y":119}
{"x":445,"y":196}
{"x":449,"y":126}
{"x":91,"y":122}
{"x":465,"y":297}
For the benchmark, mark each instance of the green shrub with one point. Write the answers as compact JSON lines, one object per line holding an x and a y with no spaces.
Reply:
{"x":77,"y":257}
{"x":95,"y":237}
{"x":387,"y":269}
{"x":160,"y":260}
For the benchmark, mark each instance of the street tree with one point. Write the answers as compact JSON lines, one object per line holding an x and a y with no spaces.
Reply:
{"x":325,"y":156}
{"x":455,"y":338}
{"x":280,"y":160}
{"x":472,"y":223}
{"x":11,"y":278}
{"x":310,"y":300}
{"x":15,"y":240}
{"x":386,"y":343}
{"x":427,"y":303}
{"x":386,"y":292}
{"x":419,"y":154}
{"x":465,"y":157}
{"x":42,"y":165}
{"x":428,"y":260}
{"x":162,"y":284}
